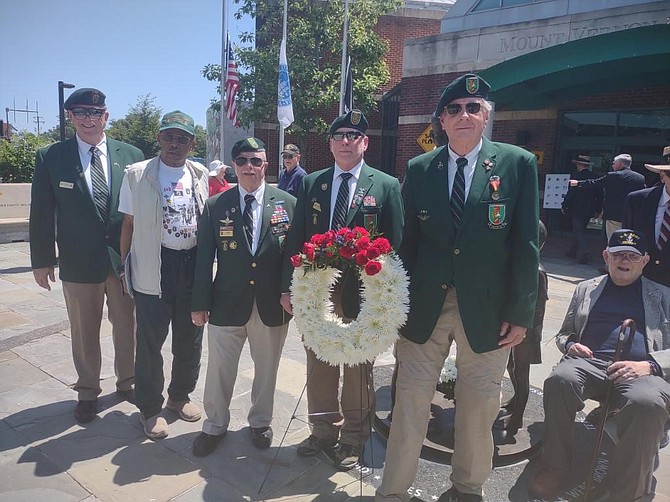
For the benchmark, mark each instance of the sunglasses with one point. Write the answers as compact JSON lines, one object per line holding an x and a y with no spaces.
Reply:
{"x":631,"y":257}
{"x":82,"y":113}
{"x":455,"y":108}
{"x":254,"y":161}
{"x":287,"y":156}
{"x":171,"y":138}
{"x":351,"y":135}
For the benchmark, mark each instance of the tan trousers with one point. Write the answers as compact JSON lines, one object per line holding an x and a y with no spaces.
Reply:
{"x":225,"y":347}
{"x":610,"y":227}
{"x":477,"y":405}
{"x":84,"y":304}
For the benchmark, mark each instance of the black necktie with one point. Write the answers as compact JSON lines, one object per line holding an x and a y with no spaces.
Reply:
{"x":458,"y":191}
{"x":341,"y":203}
{"x":248,"y":219}
{"x":99,"y":183}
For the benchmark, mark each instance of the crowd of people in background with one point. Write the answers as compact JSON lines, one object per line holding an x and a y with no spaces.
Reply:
{"x":143,"y":236}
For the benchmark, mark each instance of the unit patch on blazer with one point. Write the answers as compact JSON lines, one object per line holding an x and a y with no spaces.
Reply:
{"x":423,"y":215}
{"x":497,"y":215}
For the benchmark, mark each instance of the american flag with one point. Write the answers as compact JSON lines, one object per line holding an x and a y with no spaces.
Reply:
{"x":232,"y":85}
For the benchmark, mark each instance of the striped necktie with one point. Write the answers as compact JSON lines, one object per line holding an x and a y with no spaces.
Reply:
{"x":664,"y":232}
{"x":458,"y":191}
{"x":341,"y":203}
{"x":99,"y":183}
{"x":249,"y":219}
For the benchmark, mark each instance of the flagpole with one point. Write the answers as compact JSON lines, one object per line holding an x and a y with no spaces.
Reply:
{"x":224,"y":72}
{"x":345,"y":37}
{"x":281,"y":127}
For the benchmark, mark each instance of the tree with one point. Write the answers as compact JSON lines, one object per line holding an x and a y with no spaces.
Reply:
{"x":200,"y":149}
{"x":17,"y":157}
{"x":139,"y":127}
{"x":314,"y":48}
{"x":53,"y":134}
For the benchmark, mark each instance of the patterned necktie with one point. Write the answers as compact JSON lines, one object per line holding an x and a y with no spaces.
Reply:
{"x":341,"y":203}
{"x":99,"y":182}
{"x":249,"y":219}
{"x":664,"y":232}
{"x":458,"y":191}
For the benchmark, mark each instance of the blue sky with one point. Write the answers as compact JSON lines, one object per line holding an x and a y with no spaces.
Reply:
{"x":125,"y":48}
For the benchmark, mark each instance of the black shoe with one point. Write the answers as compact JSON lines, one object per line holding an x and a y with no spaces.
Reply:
{"x":261,"y":437}
{"x":344,"y":457}
{"x":86,"y":411}
{"x":126,"y":395}
{"x":205,"y":444}
{"x":453,"y":495}
{"x":313,"y":445}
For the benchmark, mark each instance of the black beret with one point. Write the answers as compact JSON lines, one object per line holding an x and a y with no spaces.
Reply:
{"x":85,"y":96}
{"x":465,"y":86}
{"x":247,"y":145}
{"x":353,"y":120}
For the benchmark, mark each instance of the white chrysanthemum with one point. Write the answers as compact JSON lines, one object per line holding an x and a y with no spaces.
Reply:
{"x":449,"y":372}
{"x":384,"y":308}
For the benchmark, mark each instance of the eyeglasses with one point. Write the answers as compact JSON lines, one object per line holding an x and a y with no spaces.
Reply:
{"x":455,"y":108}
{"x":287,"y":156}
{"x":254,"y":161}
{"x":631,"y":257}
{"x":179,"y":138}
{"x":82,"y":113}
{"x":351,"y":135}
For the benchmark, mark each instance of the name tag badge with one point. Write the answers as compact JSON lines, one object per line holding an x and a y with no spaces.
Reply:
{"x":66,"y":184}
{"x":226,"y":231}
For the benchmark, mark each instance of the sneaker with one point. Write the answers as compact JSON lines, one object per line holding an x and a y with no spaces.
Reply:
{"x":261,"y":437}
{"x":454,"y":495}
{"x":155,"y":427}
{"x":344,"y":457}
{"x":186,"y":409}
{"x":205,"y":444}
{"x":313,"y":445}
{"x":86,"y":411}
{"x":547,"y":483}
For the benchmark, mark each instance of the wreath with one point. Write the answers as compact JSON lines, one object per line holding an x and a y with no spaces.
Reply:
{"x":384,"y":295}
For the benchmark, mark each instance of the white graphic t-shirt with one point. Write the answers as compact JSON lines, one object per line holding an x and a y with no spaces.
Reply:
{"x":180,"y":222}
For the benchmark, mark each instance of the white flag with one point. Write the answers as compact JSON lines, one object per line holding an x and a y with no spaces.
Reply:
{"x":284,"y":103}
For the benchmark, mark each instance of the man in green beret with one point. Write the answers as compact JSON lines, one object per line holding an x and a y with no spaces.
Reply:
{"x":78,"y":181}
{"x":470,"y":245}
{"x":349,"y":194}
{"x":163,"y":199}
{"x":244,"y":230}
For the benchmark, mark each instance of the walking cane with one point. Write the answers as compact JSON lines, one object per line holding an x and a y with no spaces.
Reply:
{"x":628,"y":324}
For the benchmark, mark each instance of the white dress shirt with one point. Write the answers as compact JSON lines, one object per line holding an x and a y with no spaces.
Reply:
{"x":256,"y":212}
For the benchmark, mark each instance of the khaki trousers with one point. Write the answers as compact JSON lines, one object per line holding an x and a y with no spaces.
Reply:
{"x":84,"y":304}
{"x":477,"y":404}
{"x":225,"y":347}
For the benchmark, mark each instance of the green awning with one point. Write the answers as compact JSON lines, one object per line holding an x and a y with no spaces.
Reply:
{"x":628,"y":59}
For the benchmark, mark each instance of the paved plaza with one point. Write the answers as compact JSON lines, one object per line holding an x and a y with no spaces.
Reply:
{"x":46,"y":456}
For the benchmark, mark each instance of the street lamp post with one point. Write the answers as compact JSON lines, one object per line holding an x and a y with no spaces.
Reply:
{"x":61,"y":112}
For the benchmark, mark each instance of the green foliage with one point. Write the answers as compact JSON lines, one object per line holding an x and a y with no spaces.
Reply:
{"x":314,"y":48}
{"x":53,"y":134}
{"x":139,"y":127}
{"x":17,"y":157}
{"x":200,"y":149}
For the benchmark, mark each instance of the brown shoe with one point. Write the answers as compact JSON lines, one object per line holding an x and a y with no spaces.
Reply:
{"x":155,"y":427}
{"x":186,"y":409}
{"x":547,"y":483}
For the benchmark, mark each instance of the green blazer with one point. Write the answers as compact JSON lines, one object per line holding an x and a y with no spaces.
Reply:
{"x":492,"y":260}
{"x":312,"y":216}
{"x":62,"y":210}
{"x":241,"y":277}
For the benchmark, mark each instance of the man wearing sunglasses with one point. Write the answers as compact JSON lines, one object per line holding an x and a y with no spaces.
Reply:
{"x":75,"y":197}
{"x":244,"y":230}
{"x":588,"y":338}
{"x":470,"y":245}
{"x":163,"y":199}
{"x":293,"y":173}
{"x":368,"y":198}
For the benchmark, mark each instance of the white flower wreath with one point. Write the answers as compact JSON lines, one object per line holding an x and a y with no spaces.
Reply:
{"x":384,"y":307}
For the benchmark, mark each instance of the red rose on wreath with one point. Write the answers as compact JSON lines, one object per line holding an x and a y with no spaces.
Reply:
{"x":372,"y":267}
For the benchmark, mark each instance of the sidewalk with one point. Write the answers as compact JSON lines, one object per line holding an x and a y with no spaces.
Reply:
{"x":46,"y":456}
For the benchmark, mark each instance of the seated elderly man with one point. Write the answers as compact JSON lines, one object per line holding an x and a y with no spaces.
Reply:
{"x":641,"y":390}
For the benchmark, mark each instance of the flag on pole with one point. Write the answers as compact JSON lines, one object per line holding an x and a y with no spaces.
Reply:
{"x":232,"y":85}
{"x":284,"y":102}
{"x":349,"y":89}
